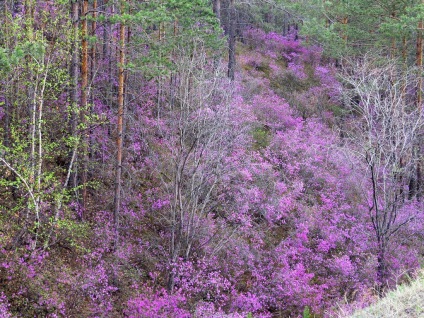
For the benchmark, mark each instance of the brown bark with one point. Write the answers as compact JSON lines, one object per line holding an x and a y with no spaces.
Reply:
{"x":119,"y":136}
{"x":107,"y":56}
{"x":106,"y":32}
{"x":93,"y":33}
{"x":93,"y":66}
{"x":327,"y":20}
{"x":404,"y":50}
{"x":73,"y":87}
{"x":393,"y":45}
{"x":7,"y":132}
{"x":419,"y":177}
{"x":162,"y":31}
{"x":73,"y":96}
{"x":345,"y":21}
{"x":84,"y":87}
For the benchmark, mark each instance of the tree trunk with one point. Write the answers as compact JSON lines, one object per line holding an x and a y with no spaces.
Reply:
{"x":419,"y":61}
{"x":345,"y":21}
{"x":31,"y":91}
{"x":92,"y":75}
{"x":84,"y":87}
{"x":419,"y":177}
{"x":73,"y":95}
{"x":73,"y":87}
{"x":217,"y":9}
{"x":93,"y":33}
{"x":119,"y":132}
{"x":393,"y":45}
{"x":381,"y":271}
{"x":108,"y":88}
{"x":74,"y":73}
{"x":419,"y":180}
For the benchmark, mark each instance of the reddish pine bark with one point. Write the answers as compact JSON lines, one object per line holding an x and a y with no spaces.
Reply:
{"x":119,"y":131}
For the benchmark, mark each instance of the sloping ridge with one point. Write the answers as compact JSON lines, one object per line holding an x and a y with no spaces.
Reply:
{"x":406,"y":301}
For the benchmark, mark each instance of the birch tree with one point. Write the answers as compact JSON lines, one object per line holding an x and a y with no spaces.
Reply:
{"x":197,"y":143}
{"x":386,"y":128}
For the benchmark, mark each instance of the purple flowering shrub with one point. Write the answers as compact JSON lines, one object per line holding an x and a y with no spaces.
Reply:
{"x":306,"y":81}
{"x":236,"y":200}
{"x":4,"y":307}
{"x":150,"y":303}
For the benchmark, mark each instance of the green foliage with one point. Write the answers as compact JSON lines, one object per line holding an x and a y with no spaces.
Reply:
{"x":35,"y":49}
{"x":74,"y":233}
{"x":4,"y":60}
{"x":10,"y":59}
{"x":287,"y":83}
{"x":168,"y":26}
{"x":266,"y":15}
{"x":306,"y":312}
{"x":261,"y":137}
{"x":354,"y":27}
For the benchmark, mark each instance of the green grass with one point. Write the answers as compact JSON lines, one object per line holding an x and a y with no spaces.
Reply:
{"x":406,"y":301}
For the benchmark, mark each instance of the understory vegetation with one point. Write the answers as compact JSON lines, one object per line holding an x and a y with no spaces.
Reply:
{"x":198,"y":159}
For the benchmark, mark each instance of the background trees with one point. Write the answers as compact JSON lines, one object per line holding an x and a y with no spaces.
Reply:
{"x":228,"y":195}
{"x":354,"y":27}
{"x":387,"y":132}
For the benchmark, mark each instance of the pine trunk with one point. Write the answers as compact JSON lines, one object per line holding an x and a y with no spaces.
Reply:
{"x":84,"y":87}
{"x":119,"y":132}
{"x":419,"y":177}
{"x":73,"y":94}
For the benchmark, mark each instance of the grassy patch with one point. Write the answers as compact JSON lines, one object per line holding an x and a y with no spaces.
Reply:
{"x":406,"y":301}
{"x":261,"y":137}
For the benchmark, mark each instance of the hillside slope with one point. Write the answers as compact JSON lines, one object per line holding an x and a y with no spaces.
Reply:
{"x":405,"y":301}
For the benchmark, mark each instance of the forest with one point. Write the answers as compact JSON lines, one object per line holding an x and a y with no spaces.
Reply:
{"x":209,"y":158}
